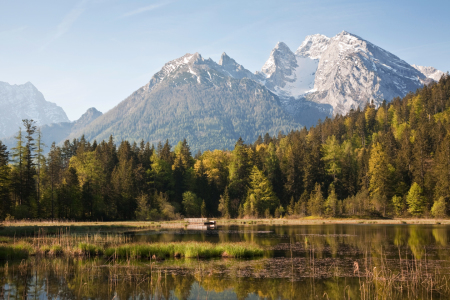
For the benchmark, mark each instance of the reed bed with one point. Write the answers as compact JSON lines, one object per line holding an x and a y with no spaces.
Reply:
{"x":17,"y":251}
{"x":414,"y":278}
{"x":185,"y":249}
{"x":118,"y":246}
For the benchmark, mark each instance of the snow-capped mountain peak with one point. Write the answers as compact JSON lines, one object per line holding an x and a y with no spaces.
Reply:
{"x":171,"y":68}
{"x":313,"y":46}
{"x":344,"y":71}
{"x":281,"y":59}
{"x":25,"y":101}
{"x":194,"y":68}
{"x":235,"y":70}
{"x":353,"y":71}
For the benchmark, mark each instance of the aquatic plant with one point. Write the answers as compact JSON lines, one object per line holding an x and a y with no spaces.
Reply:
{"x":185,"y":249}
{"x":16,"y":251}
{"x":90,"y":249}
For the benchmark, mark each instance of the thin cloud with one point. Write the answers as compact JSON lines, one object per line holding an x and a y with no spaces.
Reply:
{"x":145,"y":9}
{"x":67,"y":22}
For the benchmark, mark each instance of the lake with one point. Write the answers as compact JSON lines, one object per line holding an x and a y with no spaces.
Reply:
{"x":362,"y":261}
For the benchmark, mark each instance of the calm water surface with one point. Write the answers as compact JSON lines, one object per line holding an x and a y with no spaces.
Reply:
{"x":301,"y":262}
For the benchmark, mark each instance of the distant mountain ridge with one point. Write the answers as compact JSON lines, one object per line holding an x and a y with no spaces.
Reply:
{"x":59,"y":132}
{"x":24,"y":101}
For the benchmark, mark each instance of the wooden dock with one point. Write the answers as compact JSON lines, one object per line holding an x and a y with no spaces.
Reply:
{"x":200,"y":224}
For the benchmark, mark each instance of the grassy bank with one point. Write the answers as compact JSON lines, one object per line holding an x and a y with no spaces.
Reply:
{"x":220,"y":221}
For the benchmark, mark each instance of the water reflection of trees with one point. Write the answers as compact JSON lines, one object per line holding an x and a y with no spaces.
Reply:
{"x":98,"y":279}
{"x":331,"y":246}
{"x":73,"y":278}
{"x":371,"y":240}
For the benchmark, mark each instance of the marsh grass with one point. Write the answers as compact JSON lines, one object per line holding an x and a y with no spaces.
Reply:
{"x":90,"y":249}
{"x":185,"y":249}
{"x":66,"y":243}
{"x":4,"y":239}
{"x":17,"y":251}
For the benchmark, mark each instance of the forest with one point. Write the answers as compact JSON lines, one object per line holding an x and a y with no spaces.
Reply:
{"x":386,"y":161}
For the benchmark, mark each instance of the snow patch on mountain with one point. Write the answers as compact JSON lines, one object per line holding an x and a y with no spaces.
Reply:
{"x":430,"y":72}
{"x":302,"y":77}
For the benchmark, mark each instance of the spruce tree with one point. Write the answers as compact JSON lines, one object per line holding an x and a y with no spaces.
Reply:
{"x":18,"y":153}
{"x":5,"y":203}
{"x":316,"y":201}
{"x":415,"y":200}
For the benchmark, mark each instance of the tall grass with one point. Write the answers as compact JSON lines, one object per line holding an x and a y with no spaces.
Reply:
{"x":185,"y":249}
{"x":90,"y":249}
{"x":16,"y":251}
{"x":117,"y":246}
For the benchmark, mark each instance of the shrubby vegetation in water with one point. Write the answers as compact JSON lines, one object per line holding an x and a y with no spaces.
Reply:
{"x":392,"y":160}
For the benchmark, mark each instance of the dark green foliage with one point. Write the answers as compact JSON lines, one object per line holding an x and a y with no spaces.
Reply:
{"x":393,"y":160}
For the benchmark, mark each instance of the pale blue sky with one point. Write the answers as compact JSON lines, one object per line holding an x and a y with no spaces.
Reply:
{"x":86,"y":53}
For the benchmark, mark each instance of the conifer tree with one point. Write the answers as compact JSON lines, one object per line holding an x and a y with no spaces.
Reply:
{"x":260,"y":195}
{"x":441,"y":170}
{"x":18,"y":160}
{"x":415,"y":200}
{"x":54,"y":170}
{"x":380,"y":171}
{"x":331,"y":204}
{"x":224,"y":205}
{"x":316,"y":201}
{"x":29,"y":155}
{"x":332,"y":155}
{"x":5,"y":203}
{"x":40,"y":163}
{"x":142,"y":210}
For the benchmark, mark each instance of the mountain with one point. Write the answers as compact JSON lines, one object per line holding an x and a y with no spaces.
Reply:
{"x":213,"y":104}
{"x":430,"y":72}
{"x":343,"y":72}
{"x":24,"y":101}
{"x":59,"y":132}
{"x":210,"y":104}
{"x":287,"y":74}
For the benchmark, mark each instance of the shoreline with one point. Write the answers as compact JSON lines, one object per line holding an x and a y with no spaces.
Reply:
{"x":224,"y":222}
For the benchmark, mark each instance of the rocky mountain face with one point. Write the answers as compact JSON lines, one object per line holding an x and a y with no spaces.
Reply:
{"x":210,"y":104}
{"x":24,"y":101}
{"x":342,"y":73}
{"x":430,"y":72}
